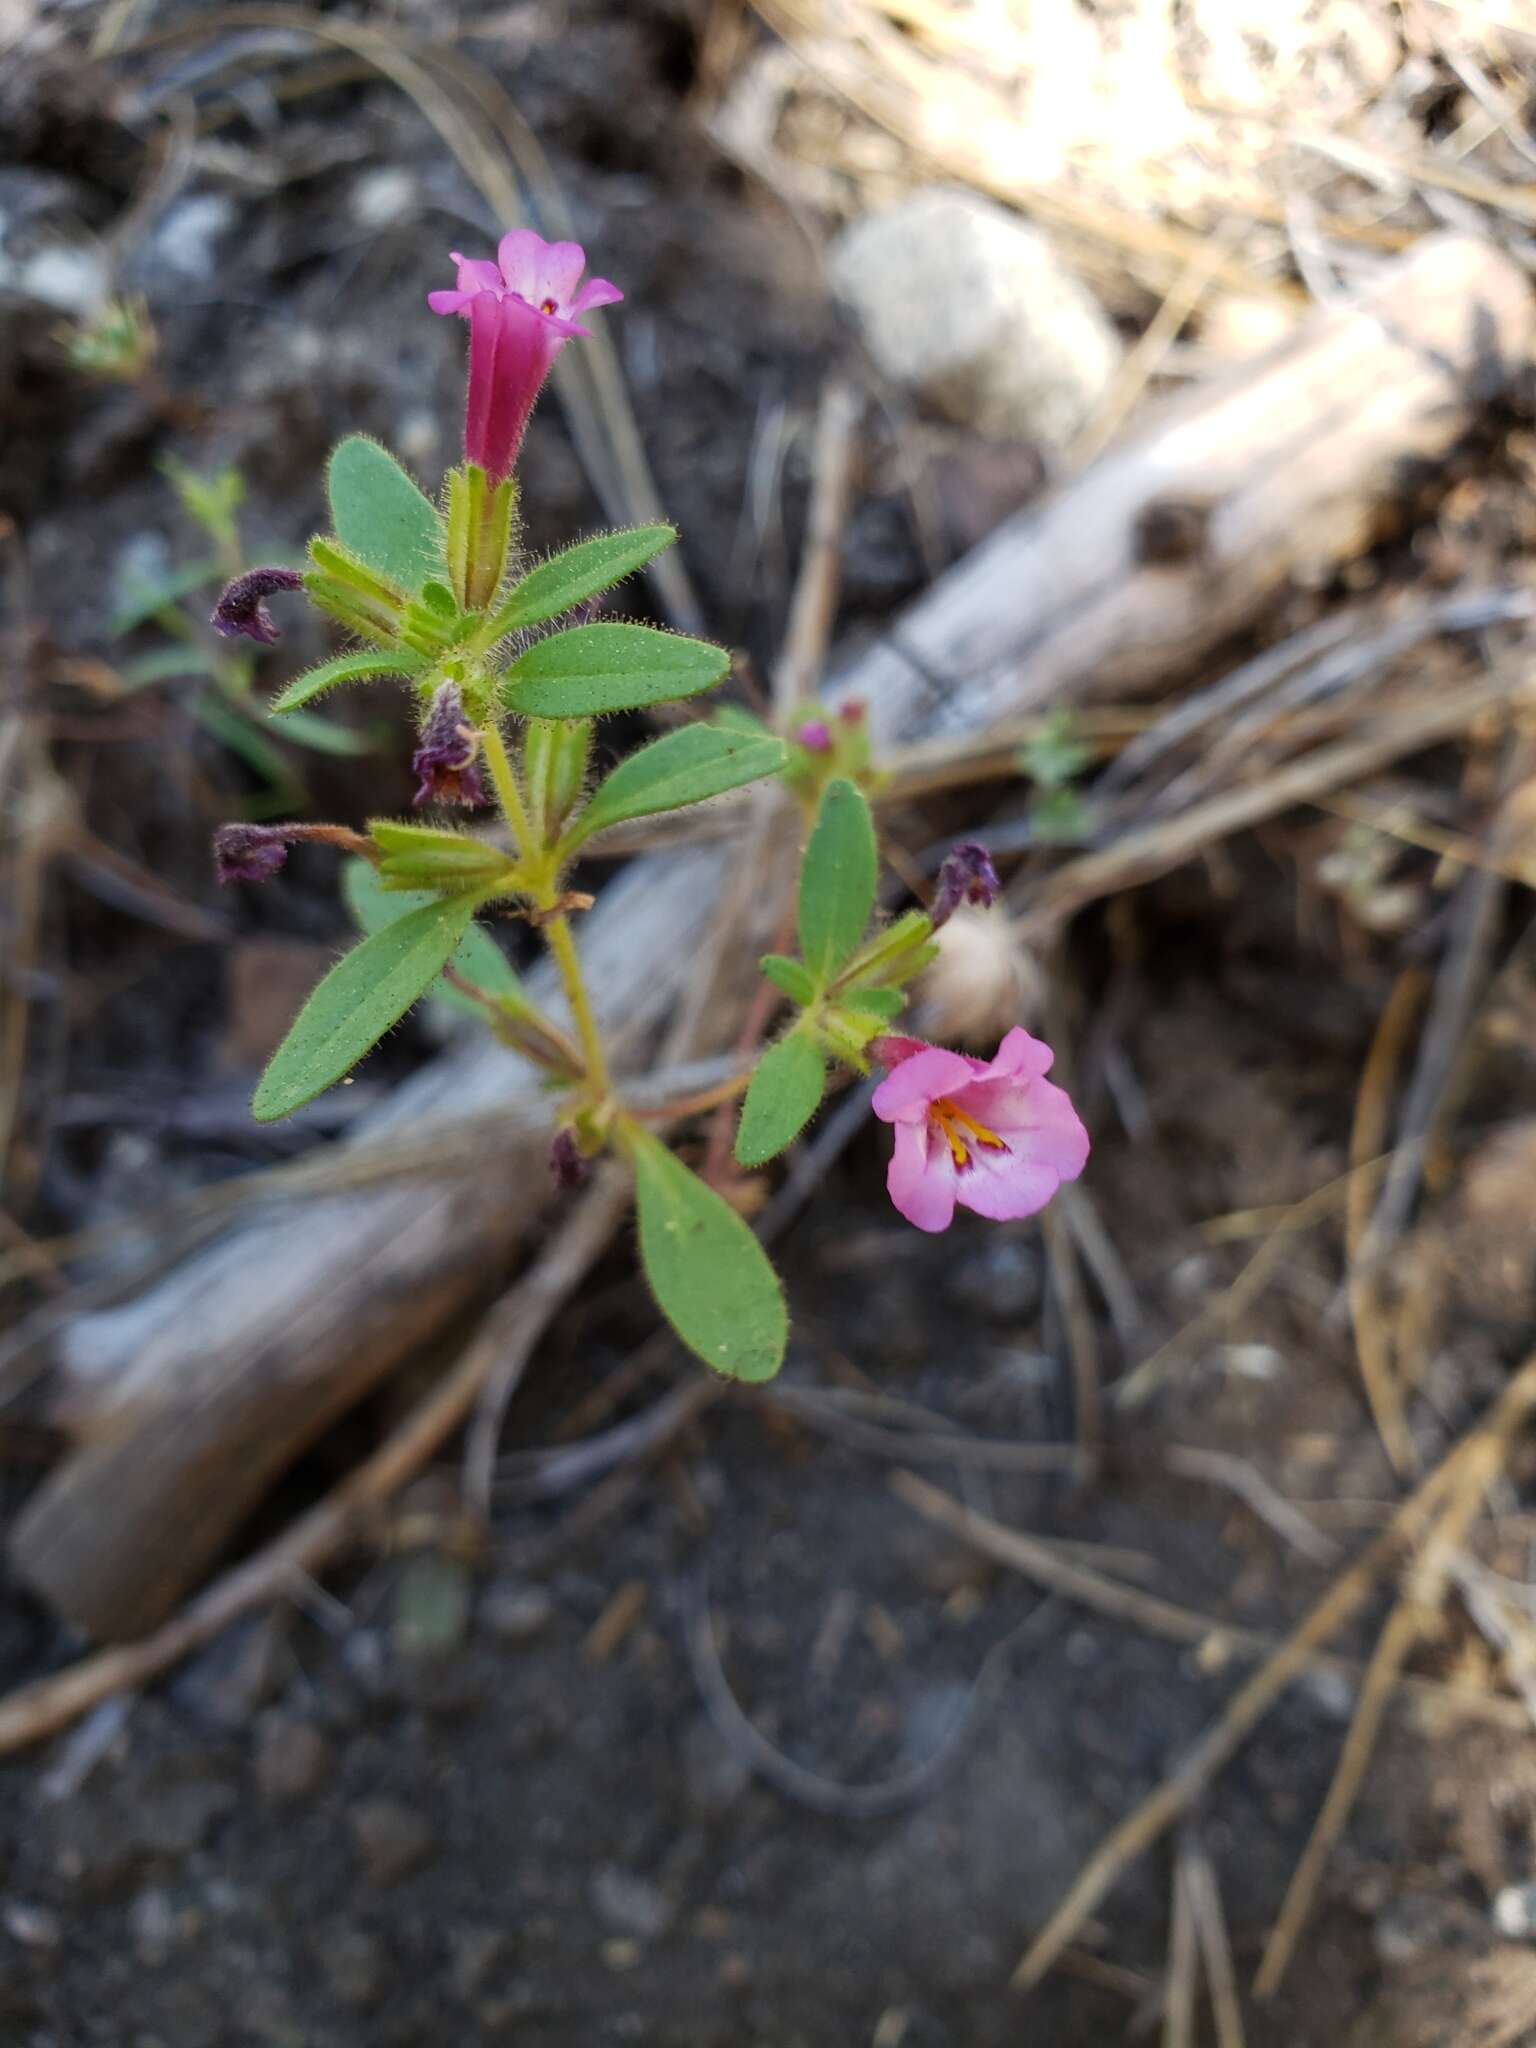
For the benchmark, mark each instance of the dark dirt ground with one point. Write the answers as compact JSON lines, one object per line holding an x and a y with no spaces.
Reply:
{"x":470,"y":1791}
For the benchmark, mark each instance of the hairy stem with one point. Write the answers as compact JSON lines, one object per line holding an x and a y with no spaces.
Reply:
{"x":563,"y":946}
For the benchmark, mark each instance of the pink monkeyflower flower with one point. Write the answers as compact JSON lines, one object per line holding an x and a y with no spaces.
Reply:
{"x":521,"y":312}
{"x":993,"y":1135}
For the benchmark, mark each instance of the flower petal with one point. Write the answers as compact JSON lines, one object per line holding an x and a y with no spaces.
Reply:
{"x":1021,"y":1054}
{"x":921,"y":1178}
{"x":561,"y":273}
{"x":1035,"y":1120}
{"x":477,"y":273}
{"x":1004,"y":1185}
{"x":597,"y":291}
{"x":904,"y":1096}
{"x":450,"y":302}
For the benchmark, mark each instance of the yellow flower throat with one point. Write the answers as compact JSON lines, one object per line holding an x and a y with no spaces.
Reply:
{"x":952,"y":1122}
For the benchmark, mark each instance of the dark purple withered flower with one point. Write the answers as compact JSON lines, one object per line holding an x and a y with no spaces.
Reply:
{"x":240,"y":609}
{"x":445,"y":760}
{"x":567,"y":1163}
{"x":967,"y":876}
{"x":249,"y":853}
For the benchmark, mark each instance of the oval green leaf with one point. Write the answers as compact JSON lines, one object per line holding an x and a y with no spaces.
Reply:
{"x":477,"y":957}
{"x":367,"y":992}
{"x":783,"y":1095}
{"x":578,"y":573}
{"x":342,"y":668}
{"x":381,"y":516}
{"x":685,"y":767}
{"x":710,"y":1276}
{"x":591,"y":669}
{"x":837,"y":879}
{"x":789,"y":978}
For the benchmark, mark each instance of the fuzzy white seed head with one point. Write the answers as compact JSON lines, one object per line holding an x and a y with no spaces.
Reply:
{"x":982,"y":983}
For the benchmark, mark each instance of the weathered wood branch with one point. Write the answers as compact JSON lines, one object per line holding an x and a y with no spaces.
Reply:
{"x":188,"y":1399}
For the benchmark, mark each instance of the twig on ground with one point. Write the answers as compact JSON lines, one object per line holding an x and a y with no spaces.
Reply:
{"x":1211,"y":1931}
{"x":1368,"y":1133}
{"x":504,"y":1342}
{"x":1461,"y":977}
{"x":1148,"y":851}
{"x":814,"y":604}
{"x":1082,"y":1337}
{"x":807,"y":1788}
{"x":1414,"y":1614}
{"x":1180,"y":1984}
{"x":1343,"y":1600}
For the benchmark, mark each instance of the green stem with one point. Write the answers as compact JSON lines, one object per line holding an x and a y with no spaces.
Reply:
{"x":557,"y":930}
{"x":508,"y":795}
{"x":563,"y":946}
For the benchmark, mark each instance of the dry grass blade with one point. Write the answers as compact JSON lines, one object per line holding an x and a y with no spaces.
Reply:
{"x":509,"y":1333}
{"x":1373,"y":1344}
{"x":1183,"y":1963}
{"x":1153,"y":850}
{"x":1248,"y":1707}
{"x":1412,"y":1617}
{"x":1211,"y":1930}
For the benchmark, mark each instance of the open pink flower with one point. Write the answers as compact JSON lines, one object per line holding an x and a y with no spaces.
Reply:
{"x":993,"y":1135}
{"x":521,"y":312}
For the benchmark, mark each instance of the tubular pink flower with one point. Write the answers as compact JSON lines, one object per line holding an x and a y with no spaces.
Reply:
{"x":521,"y":312}
{"x":992,"y":1135}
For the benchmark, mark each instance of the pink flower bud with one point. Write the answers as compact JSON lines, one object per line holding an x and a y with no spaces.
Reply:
{"x":520,"y":311}
{"x":815,"y":736}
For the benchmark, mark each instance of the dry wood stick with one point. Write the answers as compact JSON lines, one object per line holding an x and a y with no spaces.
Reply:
{"x":509,"y":1332}
{"x":1414,"y":1614}
{"x":1153,"y":850}
{"x":1215,"y":1948}
{"x":1367,"y":1136}
{"x":1343,"y":1600}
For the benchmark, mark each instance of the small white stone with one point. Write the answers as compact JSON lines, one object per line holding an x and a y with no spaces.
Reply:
{"x":70,"y":277}
{"x":185,"y":241}
{"x":382,"y":196}
{"x":1514,"y":1912}
{"x":970,"y":308}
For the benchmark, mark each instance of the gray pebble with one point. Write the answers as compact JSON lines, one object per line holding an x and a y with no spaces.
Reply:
{"x":293,"y":1760}
{"x":391,"y":1840}
{"x":629,"y":1904}
{"x":514,"y":1611}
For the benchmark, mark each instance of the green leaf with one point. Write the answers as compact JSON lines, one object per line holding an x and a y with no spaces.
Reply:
{"x":882,"y":1003}
{"x":710,"y":1276}
{"x":366,"y":993}
{"x":783,"y":1095}
{"x":343,"y":668}
{"x":737,"y":718}
{"x":167,"y":665}
{"x":591,"y":669}
{"x":141,"y":599}
{"x":320,"y":735}
{"x":381,"y":516}
{"x":478,"y":958}
{"x":789,"y":978}
{"x":837,"y":879}
{"x":578,"y":573}
{"x":416,"y":856}
{"x":685,"y":767}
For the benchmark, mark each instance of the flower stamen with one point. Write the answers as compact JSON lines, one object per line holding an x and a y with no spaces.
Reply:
{"x":962,"y":1133}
